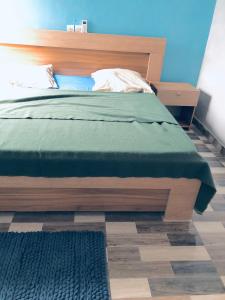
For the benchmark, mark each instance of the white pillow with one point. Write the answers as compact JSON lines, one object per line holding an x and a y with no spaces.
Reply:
{"x":31,"y":76}
{"x":119,"y":80}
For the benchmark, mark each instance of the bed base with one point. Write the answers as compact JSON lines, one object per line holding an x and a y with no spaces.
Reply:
{"x":176,"y":197}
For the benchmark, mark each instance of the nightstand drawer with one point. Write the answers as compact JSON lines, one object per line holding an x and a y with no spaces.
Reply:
{"x":179,"y":95}
{"x":184,"y":98}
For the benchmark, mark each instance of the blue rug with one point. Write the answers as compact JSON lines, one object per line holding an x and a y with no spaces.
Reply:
{"x":53,"y":266}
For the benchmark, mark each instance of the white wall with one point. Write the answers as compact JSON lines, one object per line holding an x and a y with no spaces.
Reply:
{"x":211,"y":109}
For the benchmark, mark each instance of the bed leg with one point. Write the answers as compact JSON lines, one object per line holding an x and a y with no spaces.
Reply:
{"x":181,"y":201}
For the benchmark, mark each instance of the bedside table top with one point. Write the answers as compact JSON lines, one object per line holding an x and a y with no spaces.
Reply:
{"x":177,"y":94}
{"x":174,"y":86}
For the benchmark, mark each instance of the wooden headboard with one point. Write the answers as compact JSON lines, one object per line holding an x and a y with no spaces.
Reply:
{"x":81,"y":54}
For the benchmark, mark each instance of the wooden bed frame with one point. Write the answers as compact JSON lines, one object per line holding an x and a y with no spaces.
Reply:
{"x":81,"y":54}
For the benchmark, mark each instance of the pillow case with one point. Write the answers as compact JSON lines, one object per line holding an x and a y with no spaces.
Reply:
{"x":31,"y":76}
{"x":77,"y":83}
{"x":119,"y":80}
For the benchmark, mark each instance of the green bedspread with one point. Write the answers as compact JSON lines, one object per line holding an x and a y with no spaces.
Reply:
{"x":63,"y":133}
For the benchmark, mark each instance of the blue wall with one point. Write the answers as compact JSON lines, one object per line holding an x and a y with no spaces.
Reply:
{"x":185,"y":24}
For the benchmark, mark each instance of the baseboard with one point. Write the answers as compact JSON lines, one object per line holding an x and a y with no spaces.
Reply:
{"x":219,"y":146}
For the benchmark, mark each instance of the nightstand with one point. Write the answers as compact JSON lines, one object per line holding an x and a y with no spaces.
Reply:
{"x":182,"y":96}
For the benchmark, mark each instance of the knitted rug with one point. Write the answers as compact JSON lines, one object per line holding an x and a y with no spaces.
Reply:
{"x":53,"y":266}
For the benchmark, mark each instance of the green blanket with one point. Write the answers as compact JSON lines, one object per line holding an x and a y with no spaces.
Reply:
{"x":63,"y":133}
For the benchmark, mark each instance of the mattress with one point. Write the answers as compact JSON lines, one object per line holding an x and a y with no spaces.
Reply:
{"x":54,"y":133}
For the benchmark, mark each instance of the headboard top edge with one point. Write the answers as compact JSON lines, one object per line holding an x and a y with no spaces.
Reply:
{"x":92,"y":41}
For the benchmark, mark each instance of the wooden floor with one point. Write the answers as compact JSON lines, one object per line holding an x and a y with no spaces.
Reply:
{"x":148,"y":258}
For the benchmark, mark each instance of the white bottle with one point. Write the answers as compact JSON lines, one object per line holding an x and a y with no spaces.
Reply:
{"x":84,"y":26}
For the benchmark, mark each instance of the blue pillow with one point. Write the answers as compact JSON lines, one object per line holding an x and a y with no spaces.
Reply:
{"x":78,"y":83}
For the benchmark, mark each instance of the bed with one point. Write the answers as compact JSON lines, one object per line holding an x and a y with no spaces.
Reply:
{"x":67,"y":150}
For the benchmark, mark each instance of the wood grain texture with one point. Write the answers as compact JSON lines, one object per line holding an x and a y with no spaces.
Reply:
{"x":81,"y":54}
{"x":89,"y":199}
{"x":69,"y":61}
{"x":179,"y":98}
{"x":178,"y":209}
{"x":178,"y":94}
{"x":99,"y":194}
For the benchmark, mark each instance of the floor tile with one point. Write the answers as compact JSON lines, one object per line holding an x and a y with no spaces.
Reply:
{"x":74,"y":227}
{"x":223,"y":280}
{"x":218,"y":198}
{"x":208,"y":297}
{"x":213,"y":216}
{"x":220,"y":190}
{"x":186,"y":239}
{"x":220,"y":179}
{"x":220,"y":266}
{"x":25,"y":227}
{"x":183,"y":297}
{"x":191,"y":131}
{"x":207,"y":154}
{"x":134,"y":239}
{"x":215,"y":163}
{"x":193,"y":136}
{"x":186,"y":285}
{"x":193,"y":267}
{"x":202,"y":148}
{"x":212,"y":159}
{"x":120,"y":227}
{"x":197,"y":141}
{"x":220,"y":182}
{"x":136,"y":269}
{"x":218,"y":170}
{"x":216,"y":252}
{"x":4,"y":227}
{"x":171,"y":253}
{"x":86,"y":217}
{"x":209,"y":208}
{"x":215,"y":238}
{"x":43,"y":217}
{"x":209,"y":227}
{"x":162,"y":227}
{"x":122,"y":254}
{"x":221,"y":157}
{"x":217,"y":206}
{"x":130,"y":288}
{"x":133,"y":216}
{"x":6,"y":217}
{"x":203,"y":138}
{"x":141,"y":298}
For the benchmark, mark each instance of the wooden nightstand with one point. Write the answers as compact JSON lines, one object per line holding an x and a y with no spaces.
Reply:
{"x":181,"y":95}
